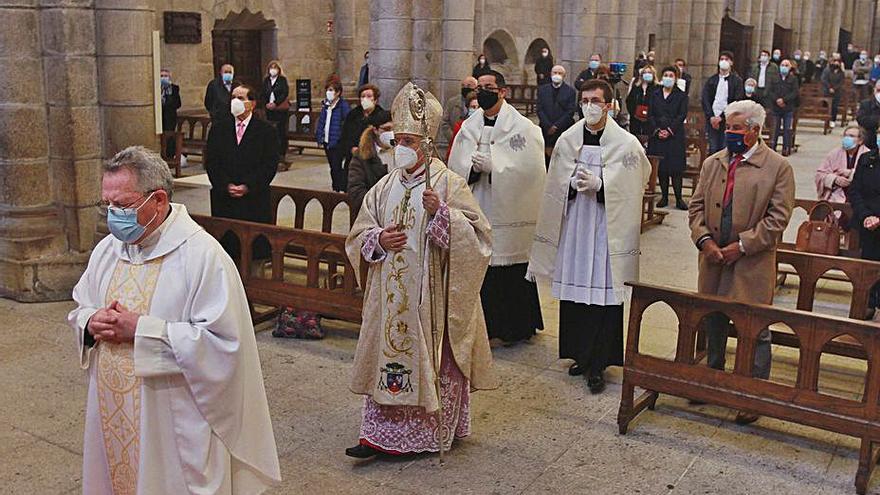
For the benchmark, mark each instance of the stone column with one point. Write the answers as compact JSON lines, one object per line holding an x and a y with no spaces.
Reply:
{"x":427,"y":43}
{"x":863,"y":15}
{"x":40,"y":235}
{"x":577,"y":20}
{"x":615,"y":30}
{"x":391,"y":35}
{"x":348,"y":63}
{"x":125,"y":72}
{"x":458,"y":42}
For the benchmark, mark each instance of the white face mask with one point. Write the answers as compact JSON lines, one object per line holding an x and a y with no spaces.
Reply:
{"x":331,"y":95}
{"x":556,"y":78}
{"x":385,"y":138}
{"x":724,"y":65}
{"x":404,"y":157}
{"x":764,"y":59}
{"x":367,"y":103}
{"x":592,"y":113}
{"x":237,"y":107}
{"x":273,"y":72}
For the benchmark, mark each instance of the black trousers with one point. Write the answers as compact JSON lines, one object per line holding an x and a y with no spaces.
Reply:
{"x":677,"y":182}
{"x":510,"y":303}
{"x":592,"y":335}
{"x":338,"y":172}
{"x":281,"y":119}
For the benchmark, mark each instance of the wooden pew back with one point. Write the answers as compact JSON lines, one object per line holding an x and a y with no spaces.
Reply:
{"x":802,"y":403}
{"x":328,"y":200}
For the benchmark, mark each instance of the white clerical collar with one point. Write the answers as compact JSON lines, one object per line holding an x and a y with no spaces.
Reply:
{"x":591,"y":131}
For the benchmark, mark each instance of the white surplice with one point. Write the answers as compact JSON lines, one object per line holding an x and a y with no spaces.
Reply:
{"x":182,"y":409}
{"x":583,"y":266}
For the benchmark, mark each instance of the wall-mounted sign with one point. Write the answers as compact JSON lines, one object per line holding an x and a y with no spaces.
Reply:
{"x":183,"y":27}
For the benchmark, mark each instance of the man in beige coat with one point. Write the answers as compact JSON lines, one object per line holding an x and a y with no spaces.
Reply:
{"x":738,"y":213}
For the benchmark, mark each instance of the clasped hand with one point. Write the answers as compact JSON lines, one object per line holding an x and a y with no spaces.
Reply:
{"x":872,"y":222}
{"x":237,"y":191}
{"x":114,"y":324}
{"x":586,"y":181}
{"x":481,"y":162}
{"x":727,"y":255}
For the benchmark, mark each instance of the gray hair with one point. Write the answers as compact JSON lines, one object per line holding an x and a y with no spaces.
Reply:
{"x":863,"y":133}
{"x":754,"y":112}
{"x":149,"y":168}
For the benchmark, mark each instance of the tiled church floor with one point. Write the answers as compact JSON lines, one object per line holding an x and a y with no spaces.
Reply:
{"x":541,"y":432}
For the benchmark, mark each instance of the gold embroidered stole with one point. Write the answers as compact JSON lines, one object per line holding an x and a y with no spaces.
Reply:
{"x":400,"y":349}
{"x":119,"y":390}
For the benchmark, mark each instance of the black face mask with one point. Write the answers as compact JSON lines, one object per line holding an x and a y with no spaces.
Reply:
{"x":465,"y":92}
{"x":486,"y":99}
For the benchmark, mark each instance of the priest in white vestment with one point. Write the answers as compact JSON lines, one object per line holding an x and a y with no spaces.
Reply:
{"x":176,"y":402}
{"x":501,"y":154}
{"x":587,"y":238}
{"x":427,"y":248}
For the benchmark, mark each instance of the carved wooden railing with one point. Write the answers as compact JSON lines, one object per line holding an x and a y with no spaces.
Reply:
{"x":802,"y":403}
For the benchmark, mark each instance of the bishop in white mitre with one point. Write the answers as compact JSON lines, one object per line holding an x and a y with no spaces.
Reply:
{"x":427,"y":245}
{"x":176,"y":402}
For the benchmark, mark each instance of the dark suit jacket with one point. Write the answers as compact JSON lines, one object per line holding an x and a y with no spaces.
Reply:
{"x":217,"y":98}
{"x":556,"y":108}
{"x":869,"y":118}
{"x":735,"y":92}
{"x":252,"y":163}
{"x":787,"y":89}
{"x":281,"y":90}
{"x":170,"y":104}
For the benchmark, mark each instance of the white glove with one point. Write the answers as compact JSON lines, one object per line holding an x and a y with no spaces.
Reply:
{"x":586,"y":181}
{"x":481,"y":162}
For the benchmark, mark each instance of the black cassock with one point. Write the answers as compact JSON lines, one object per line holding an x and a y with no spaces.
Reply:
{"x":253,"y":163}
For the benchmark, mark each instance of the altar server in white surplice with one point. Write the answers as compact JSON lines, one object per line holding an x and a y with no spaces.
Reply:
{"x":587,"y":238}
{"x":176,"y":402}
{"x":501,"y":155}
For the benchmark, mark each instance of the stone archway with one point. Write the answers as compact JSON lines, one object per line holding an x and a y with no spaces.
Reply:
{"x":532,"y":54}
{"x":500,"y":50}
{"x":246,"y":40}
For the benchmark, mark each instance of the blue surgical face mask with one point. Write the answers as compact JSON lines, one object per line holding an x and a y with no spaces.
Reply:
{"x":878,"y":142}
{"x":668,"y":82}
{"x":750,"y":89}
{"x":848,"y":142}
{"x":736,"y":142}
{"x":784,"y":70}
{"x":166,"y":81}
{"x":471,"y":111}
{"x":648,"y":77}
{"x":123,"y":223}
{"x":594,"y":64}
{"x":227,"y":77}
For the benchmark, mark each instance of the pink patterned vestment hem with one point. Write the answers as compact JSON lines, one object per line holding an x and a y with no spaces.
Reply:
{"x":409,"y":429}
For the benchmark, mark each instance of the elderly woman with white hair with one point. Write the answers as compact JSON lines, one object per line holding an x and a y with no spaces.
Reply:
{"x":738,"y":213}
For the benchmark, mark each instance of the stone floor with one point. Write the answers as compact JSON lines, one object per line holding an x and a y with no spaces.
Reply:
{"x":541,"y":432}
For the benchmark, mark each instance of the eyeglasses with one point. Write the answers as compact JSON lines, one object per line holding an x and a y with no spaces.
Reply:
{"x":490,"y":89}
{"x":130,"y":207}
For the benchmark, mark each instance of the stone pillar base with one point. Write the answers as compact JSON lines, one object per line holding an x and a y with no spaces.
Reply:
{"x":41,"y":280}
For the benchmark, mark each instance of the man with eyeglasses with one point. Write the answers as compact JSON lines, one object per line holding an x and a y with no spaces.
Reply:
{"x":175,"y":400}
{"x":501,"y":154}
{"x":241,"y":159}
{"x":587,"y":237}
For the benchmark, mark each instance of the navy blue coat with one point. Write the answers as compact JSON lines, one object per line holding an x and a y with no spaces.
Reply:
{"x":336,"y":119}
{"x":556,"y":111}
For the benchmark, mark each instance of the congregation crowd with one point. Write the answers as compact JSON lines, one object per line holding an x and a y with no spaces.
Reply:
{"x":462,"y":208}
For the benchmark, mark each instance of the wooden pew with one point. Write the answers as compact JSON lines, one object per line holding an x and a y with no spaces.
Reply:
{"x":816,"y":107}
{"x":324,"y":289}
{"x":650,"y":215}
{"x":802,"y":403}
{"x":809,"y":268}
{"x":173,"y":161}
{"x":194,"y":129}
{"x":697,"y":149}
{"x":328,"y":200}
{"x":303,"y":133}
{"x":523,"y":97}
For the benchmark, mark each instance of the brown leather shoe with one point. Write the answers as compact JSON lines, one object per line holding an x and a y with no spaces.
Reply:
{"x":744,"y":418}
